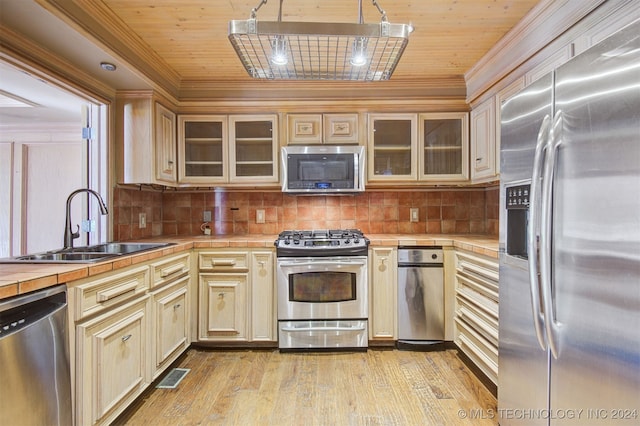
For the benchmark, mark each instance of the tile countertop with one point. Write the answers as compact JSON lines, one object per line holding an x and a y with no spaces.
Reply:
{"x":19,"y":278}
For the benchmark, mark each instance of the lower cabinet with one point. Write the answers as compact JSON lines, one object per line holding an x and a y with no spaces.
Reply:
{"x":223,"y":307}
{"x":115,"y":342}
{"x":383,"y":285}
{"x":236,"y":296}
{"x":128,"y":327}
{"x":170,"y":317}
{"x":476,"y":310}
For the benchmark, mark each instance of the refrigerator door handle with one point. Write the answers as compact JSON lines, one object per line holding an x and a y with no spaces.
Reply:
{"x":533,"y":230}
{"x":546,"y":233}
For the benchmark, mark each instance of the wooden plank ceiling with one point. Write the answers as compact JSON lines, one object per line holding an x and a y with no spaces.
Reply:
{"x":188,"y":39}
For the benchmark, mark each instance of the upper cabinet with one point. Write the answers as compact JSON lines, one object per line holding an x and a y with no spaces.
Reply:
{"x":203,"y":148}
{"x":253,"y":148}
{"x":145,"y":128}
{"x":444,"y":142}
{"x":424,"y":148}
{"x":311,"y":129}
{"x":392,"y":145}
{"x":483,"y":141}
{"x":228,"y":149}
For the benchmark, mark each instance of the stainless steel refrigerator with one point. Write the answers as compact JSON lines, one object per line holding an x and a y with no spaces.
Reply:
{"x":569,"y":348}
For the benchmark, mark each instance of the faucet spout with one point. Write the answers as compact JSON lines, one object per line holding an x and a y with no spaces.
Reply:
{"x":69,"y":234}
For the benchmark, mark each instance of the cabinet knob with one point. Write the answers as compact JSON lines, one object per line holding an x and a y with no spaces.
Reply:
{"x":479,"y":159}
{"x":220,"y":295}
{"x":176,"y":306}
{"x":126,"y":337}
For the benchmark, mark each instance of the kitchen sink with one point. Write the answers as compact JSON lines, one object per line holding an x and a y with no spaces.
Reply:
{"x":87,"y":254}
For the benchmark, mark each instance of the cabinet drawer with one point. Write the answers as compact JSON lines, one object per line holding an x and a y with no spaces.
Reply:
{"x":166,"y":270}
{"x":478,"y":349}
{"x":223,"y":261}
{"x":479,"y":320}
{"x":96,"y":295}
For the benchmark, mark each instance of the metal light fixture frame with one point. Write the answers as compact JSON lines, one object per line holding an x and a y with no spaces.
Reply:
{"x":319,"y":51}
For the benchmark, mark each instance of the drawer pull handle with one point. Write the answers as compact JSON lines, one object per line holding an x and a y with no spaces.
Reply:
{"x":223,"y":262}
{"x":171,"y":270}
{"x":126,"y":337}
{"x":176,"y":306}
{"x":105,"y":295}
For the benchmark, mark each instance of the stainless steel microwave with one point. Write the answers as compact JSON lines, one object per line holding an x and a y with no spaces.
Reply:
{"x":323,"y":169}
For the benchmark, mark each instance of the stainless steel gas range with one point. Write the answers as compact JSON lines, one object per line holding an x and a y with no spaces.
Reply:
{"x":322,"y":289}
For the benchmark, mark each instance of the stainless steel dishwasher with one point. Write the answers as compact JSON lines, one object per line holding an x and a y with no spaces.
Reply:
{"x":34,"y":359}
{"x":420,"y":298}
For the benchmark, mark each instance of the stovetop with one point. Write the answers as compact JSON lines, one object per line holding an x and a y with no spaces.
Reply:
{"x":322,"y":242}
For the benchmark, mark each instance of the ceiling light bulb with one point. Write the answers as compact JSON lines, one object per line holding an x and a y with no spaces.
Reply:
{"x":279,"y":51}
{"x":107,"y":66}
{"x":359,"y":52}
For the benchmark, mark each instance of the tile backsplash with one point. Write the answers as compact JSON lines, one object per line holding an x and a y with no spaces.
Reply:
{"x":473,"y":211}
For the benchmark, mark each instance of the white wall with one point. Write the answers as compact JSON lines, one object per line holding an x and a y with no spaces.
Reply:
{"x":39,"y":167}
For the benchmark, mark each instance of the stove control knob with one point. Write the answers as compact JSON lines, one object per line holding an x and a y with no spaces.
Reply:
{"x":356,"y":240}
{"x":287,"y":242}
{"x":347,"y":241}
{"x":296,"y":241}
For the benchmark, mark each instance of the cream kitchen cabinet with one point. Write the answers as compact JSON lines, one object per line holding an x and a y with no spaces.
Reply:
{"x":236,"y":296}
{"x":228,"y":150}
{"x":170,"y":310}
{"x":263,"y":296}
{"x":383,"y":285}
{"x":126,"y":327}
{"x":483,"y":142}
{"x":444,"y":147}
{"x":111,"y":345}
{"x":223,"y":284}
{"x":476,"y":314}
{"x":223,"y":307}
{"x":392,"y":147}
{"x":203,"y":145}
{"x":145,"y":140}
{"x":311,"y":129}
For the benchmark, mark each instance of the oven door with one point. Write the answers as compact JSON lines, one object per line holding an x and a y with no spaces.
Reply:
{"x":322,"y":288}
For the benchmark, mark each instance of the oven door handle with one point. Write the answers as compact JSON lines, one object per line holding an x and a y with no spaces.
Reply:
{"x":323,"y":328}
{"x":324,"y":263}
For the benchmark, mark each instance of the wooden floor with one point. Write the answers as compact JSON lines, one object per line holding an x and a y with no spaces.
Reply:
{"x":266,"y":387}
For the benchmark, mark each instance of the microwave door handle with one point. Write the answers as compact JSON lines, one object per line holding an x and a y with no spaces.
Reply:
{"x":546,"y":233}
{"x":533,"y":230}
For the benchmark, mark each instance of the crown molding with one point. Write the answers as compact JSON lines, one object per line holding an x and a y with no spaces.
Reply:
{"x":544,"y":23}
{"x":451,"y":87}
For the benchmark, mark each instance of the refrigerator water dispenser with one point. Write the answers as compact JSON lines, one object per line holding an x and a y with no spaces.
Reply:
{"x":517,"y":203}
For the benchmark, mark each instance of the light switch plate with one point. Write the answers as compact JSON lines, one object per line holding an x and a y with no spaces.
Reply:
{"x":206,"y":217}
{"x":260,"y":216}
{"x":414,"y":214}
{"x":142,"y":220}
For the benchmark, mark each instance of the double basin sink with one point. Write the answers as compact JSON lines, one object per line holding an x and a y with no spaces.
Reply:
{"x":88,"y":254}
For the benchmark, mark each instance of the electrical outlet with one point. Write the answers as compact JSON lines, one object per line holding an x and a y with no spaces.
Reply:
{"x":142,"y":220}
{"x":206,"y":216}
{"x":414,"y":214}
{"x":260,"y":216}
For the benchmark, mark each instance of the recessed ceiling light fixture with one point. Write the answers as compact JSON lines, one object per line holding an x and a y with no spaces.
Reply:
{"x":107,"y":66}
{"x":319,"y":51}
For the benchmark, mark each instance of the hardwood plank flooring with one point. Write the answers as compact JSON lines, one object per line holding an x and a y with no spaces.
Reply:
{"x":266,"y":387}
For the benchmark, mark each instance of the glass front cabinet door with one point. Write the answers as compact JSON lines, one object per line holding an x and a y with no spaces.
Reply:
{"x":253,"y":148}
{"x":443,"y":146}
{"x":203,"y":149}
{"x":392,"y":147}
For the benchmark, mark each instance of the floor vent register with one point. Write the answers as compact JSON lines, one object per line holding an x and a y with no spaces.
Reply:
{"x":173,"y":378}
